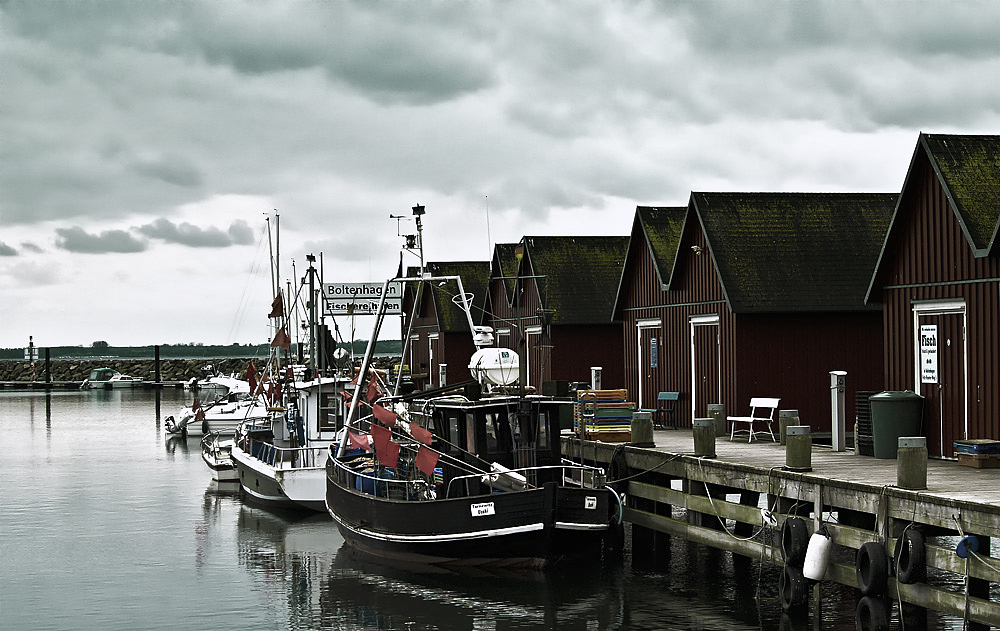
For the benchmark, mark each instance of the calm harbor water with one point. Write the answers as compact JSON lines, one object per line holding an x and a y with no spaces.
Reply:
{"x":108,"y":524}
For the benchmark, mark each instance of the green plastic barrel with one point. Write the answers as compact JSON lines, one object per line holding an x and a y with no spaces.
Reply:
{"x":895,"y":414}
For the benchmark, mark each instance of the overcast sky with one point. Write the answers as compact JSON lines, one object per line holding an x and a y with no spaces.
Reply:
{"x":143,"y":144}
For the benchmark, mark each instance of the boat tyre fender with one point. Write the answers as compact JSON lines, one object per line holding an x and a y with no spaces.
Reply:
{"x":792,"y":588}
{"x":871,"y":615}
{"x":617,"y":471}
{"x":204,"y":426}
{"x":873,"y":569}
{"x":911,"y":557}
{"x":794,"y":541}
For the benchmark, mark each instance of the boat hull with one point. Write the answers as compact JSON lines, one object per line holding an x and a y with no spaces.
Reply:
{"x":300,"y":488}
{"x":530,"y":528}
{"x":217,"y":455}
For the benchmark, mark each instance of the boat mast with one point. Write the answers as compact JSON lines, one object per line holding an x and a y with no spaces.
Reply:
{"x":412,"y":242}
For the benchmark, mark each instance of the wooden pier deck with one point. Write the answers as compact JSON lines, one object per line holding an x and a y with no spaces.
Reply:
{"x":718,"y":501}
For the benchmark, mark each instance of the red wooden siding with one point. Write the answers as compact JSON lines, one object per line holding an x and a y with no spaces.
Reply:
{"x":930,"y":259}
{"x":696,"y":291}
{"x":791,"y":355}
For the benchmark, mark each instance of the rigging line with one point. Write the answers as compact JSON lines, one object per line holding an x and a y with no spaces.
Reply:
{"x":244,"y":298}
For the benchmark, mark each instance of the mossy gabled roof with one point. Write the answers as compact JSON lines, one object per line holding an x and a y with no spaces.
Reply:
{"x":475,"y":277}
{"x":581,"y":275}
{"x":969,"y":170}
{"x":794,"y":252}
{"x":657,"y":230}
{"x":662,"y":229}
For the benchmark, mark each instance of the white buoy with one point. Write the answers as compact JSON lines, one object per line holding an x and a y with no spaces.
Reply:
{"x":817,"y":555}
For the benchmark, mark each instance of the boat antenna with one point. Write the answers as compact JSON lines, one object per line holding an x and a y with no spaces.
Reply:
{"x":489,"y":238}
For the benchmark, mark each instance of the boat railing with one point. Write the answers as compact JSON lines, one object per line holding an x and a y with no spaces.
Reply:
{"x":284,"y":457}
{"x":516,"y":479}
{"x":362,"y":475}
{"x":367,"y":480}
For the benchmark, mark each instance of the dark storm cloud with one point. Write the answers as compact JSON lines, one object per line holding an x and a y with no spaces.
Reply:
{"x":76,"y":239}
{"x":6,"y":250}
{"x":238,"y":233}
{"x":391,"y":52}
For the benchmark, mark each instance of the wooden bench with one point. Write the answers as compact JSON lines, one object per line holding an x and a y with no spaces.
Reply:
{"x":761,"y":411}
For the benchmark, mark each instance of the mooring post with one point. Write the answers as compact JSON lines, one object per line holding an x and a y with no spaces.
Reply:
{"x":718,"y":412}
{"x":911,"y":463}
{"x":156,"y":363}
{"x":48,"y":367}
{"x":642,"y":429}
{"x":703,"y":430}
{"x":798,"y":448}
{"x":786,"y":418}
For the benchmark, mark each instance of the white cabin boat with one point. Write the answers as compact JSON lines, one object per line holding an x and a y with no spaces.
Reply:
{"x":281,"y":463}
{"x":109,"y":378}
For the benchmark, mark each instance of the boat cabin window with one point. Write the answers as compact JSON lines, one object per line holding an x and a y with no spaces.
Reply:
{"x":448,"y":426}
{"x":331,"y":410}
{"x":543,"y":430}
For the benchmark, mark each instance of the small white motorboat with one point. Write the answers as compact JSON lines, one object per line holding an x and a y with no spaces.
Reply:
{"x":216,"y":452}
{"x":219,"y":416}
{"x":110,"y":379}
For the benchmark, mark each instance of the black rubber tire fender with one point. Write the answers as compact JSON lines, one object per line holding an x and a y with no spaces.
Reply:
{"x":871,"y":615}
{"x":794,"y":541}
{"x":204,"y":427}
{"x":792,"y":588}
{"x":911,"y":557}
{"x":872,"y":566}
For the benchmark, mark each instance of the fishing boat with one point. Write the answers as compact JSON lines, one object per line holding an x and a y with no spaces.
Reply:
{"x":110,"y":379}
{"x":472,"y":476}
{"x":216,"y":452}
{"x":281,"y":462}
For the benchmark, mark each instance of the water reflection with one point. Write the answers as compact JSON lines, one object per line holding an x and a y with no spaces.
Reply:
{"x":287,"y":555}
{"x":365,"y":594}
{"x":177,"y":443}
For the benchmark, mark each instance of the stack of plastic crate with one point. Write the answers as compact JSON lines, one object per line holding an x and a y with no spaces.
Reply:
{"x":604,"y":415}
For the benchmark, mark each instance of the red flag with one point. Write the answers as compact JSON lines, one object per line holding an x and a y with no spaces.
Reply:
{"x":359,"y":440}
{"x":380,"y":436}
{"x":252,"y":377}
{"x":387,"y":417}
{"x":276,"y":392}
{"x":277,"y":308}
{"x":421,"y":434}
{"x":374,"y":391}
{"x":281,"y":339}
{"x":194,"y":406}
{"x":426,"y":460}
{"x":199,"y":415}
{"x":389,"y":455}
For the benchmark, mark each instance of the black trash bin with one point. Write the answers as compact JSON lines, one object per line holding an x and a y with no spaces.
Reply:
{"x":894,"y":414}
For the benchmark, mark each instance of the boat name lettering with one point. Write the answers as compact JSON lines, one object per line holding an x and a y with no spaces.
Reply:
{"x":486,"y":508}
{"x":590,"y":502}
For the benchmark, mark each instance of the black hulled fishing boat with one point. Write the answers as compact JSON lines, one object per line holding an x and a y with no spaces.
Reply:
{"x":465,"y":475}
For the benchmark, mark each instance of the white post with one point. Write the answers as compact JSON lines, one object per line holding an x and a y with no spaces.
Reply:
{"x":838,"y":385}
{"x":595,"y":377}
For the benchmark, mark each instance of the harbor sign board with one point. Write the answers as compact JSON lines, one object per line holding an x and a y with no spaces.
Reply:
{"x":361,"y":298}
{"x":928,"y":353}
